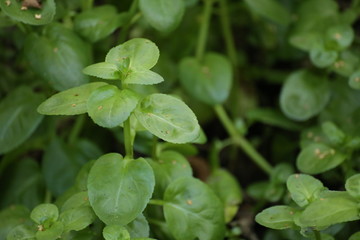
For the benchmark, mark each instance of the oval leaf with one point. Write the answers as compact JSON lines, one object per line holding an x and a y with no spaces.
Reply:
{"x":109,"y":107}
{"x":304,"y":188}
{"x":58,"y":57}
{"x":69,"y":102}
{"x":139,"y":227}
{"x":119,"y":189}
{"x":209,"y":81}
{"x":39,"y":15}
{"x":168,"y":118}
{"x":354,"y":80}
{"x":277,"y":217}
{"x":77,"y":219}
{"x":45,"y":213}
{"x":317,"y":158}
{"x":352,"y":186}
{"x":103,"y":70}
{"x":304,"y":95}
{"x":18,"y":117}
{"x":192,"y":211}
{"x":163,"y":15}
{"x":22,"y":232}
{"x":143,"y":76}
{"x":115,"y":232}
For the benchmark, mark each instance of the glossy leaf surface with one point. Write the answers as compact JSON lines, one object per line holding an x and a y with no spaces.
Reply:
{"x":45,"y":213}
{"x":119,"y":189}
{"x":168,"y":118}
{"x":352,"y":186}
{"x":103,"y":70}
{"x":77,"y":218}
{"x":277,"y":217}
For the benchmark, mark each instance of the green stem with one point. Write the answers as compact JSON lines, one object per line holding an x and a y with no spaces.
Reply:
{"x":157,"y":202}
{"x":78,"y":125}
{"x":128,"y":139}
{"x":126,"y":27}
{"x":47,"y":197}
{"x":241,"y":141}
{"x":204,"y":29}
{"x":87,"y":4}
{"x":154,"y":150}
{"x":317,"y":235}
{"x":227,"y":33}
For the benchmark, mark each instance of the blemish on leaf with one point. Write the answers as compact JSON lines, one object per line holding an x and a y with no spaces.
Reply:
{"x":357,"y":79}
{"x":184,"y":165}
{"x":38,"y":16}
{"x":189,"y":202}
{"x":317,"y":139}
{"x":337,"y":36}
{"x":40,"y":228}
{"x":76,"y":95}
{"x":8,"y":2}
{"x":56,"y":50}
{"x":23,"y":8}
{"x":205,"y":70}
{"x":310,"y":134}
{"x":161,"y":161}
{"x":174,"y":162}
{"x":100,"y":107}
{"x":32,"y":3}
{"x":73,"y":105}
{"x":332,"y":151}
{"x":291,"y":213}
{"x":322,"y":199}
{"x":317,"y":151}
{"x":339,"y":64}
{"x":297,"y":175}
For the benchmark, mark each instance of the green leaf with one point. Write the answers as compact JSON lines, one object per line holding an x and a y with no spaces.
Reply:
{"x":304,"y":95}
{"x":328,"y":211}
{"x":354,"y":80}
{"x":304,"y":189}
{"x":192,"y":211}
{"x":58,"y":56}
{"x":168,"y":118}
{"x":322,"y":57}
{"x":355,"y":236}
{"x":18,"y":117}
{"x":277,"y":217}
{"x":333,"y":133}
{"x":270,"y":9}
{"x":209,"y":81}
{"x":51,"y":233}
{"x":119,"y":189}
{"x":340,"y":36}
{"x":143,"y":76}
{"x":45,"y":214}
{"x":99,"y":22}
{"x":163,"y":15}
{"x":227,"y":188}
{"x":115,"y":232}
{"x":109,"y":106}
{"x":103,"y":70}
{"x":29,"y":15}
{"x":352,"y":186}
{"x":317,"y":158}
{"x":69,"y":102}
{"x":136,"y":53}
{"x":12,"y":217}
{"x":78,"y":200}
{"x":169,"y":166}
{"x":77,"y":218}
{"x":22,"y":232}
{"x":347,"y":63}
{"x":139,"y":227}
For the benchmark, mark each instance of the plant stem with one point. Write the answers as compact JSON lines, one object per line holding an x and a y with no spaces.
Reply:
{"x":157,"y":202}
{"x":241,"y":141}
{"x":87,"y":4}
{"x":227,"y":33}
{"x":128,"y":139}
{"x":204,"y":29}
{"x":126,"y":27}
{"x":47,"y":197}
{"x":154,"y":150}
{"x":74,"y":134}
{"x":317,"y":235}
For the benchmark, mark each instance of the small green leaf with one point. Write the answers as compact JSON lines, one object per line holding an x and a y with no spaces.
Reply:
{"x":227,"y":188}
{"x":303,"y":188}
{"x":168,"y":118}
{"x":45,"y":214}
{"x":143,"y":76}
{"x":77,"y":200}
{"x":115,"y":232}
{"x":169,"y":166}
{"x":304,"y":95}
{"x":11,"y":217}
{"x":58,"y":56}
{"x":103,"y":70}
{"x":119,"y":189}
{"x":328,"y":211}
{"x":18,"y":117}
{"x":163,"y":15}
{"x":29,"y":15}
{"x":354,"y":80}
{"x":352,"y":186}
{"x":22,"y":232}
{"x":51,"y":233}
{"x":139,"y":227}
{"x":136,"y":53}
{"x":209,"y":81}
{"x":99,"y":22}
{"x":355,"y":236}
{"x":277,"y":217}
{"x":109,"y":107}
{"x":340,"y":36}
{"x":317,"y":158}
{"x":192,"y":211}
{"x":333,"y":133}
{"x":270,"y":9}
{"x":322,"y":57}
{"x":69,"y":102}
{"x":77,"y":218}
{"x":347,"y":63}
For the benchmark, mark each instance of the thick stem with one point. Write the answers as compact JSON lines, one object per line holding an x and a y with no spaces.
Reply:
{"x":48,"y":197}
{"x":204,"y":29}
{"x":128,"y":139}
{"x":241,"y":141}
{"x":157,"y":202}
{"x":75,"y":131}
{"x":317,"y":235}
{"x":126,"y":27}
{"x":87,"y":4}
{"x":154,"y":150}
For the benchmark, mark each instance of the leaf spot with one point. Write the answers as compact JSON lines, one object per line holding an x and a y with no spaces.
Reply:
{"x":184,"y":165}
{"x":317,"y":139}
{"x":297,"y":175}
{"x":38,"y":16}
{"x":100,"y":107}
{"x":339,"y":64}
{"x":291,"y":213}
{"x":56,"y":50}
{"x":317,"y":152}
{"x":73,"y":105}
{"x":332,"y":151}
{"x":8,"y":2}
{"x":189,"y":202}
{"x":310,"y":134}
{"x":322,"y":199}
{"x":161,"y":161}
{"x":337,"y":36}
{"x":205,"y":70}
{"x":23,"y":8}
{"x":357,"y":79}
{"x":40,"y":228}
{"x":76,"y":95}
{"x":174,"y":162}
